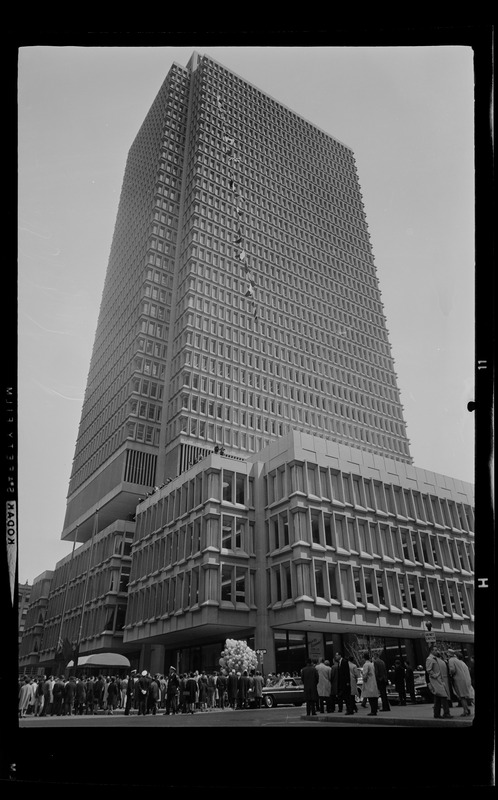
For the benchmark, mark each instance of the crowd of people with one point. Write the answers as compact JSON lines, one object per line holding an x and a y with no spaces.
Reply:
{"x":189,"y":692}
{"x":140,"y":693}
{"x":327,"y":687}
{"x":344,"y":684}
{"x":62,"y":696}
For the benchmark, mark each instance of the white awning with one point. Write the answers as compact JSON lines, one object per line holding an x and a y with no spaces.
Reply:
{"x":101,"y":660}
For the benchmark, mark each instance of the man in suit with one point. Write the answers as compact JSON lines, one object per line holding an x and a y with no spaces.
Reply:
{"x":130,"y":691}
{"x":232,"y":686}
{"x":344,"y":684}
{"x":243,"y":689}
{"x":143,"y":692}
{"x":221,"y":685}
{"x":309,"y":677}
{"x":172,"y":691}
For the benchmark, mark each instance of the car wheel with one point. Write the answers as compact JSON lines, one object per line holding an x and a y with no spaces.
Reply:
{"x":270,"y":701}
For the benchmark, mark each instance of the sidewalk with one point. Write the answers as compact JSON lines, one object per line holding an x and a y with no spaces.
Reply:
{"x":418,"y":715}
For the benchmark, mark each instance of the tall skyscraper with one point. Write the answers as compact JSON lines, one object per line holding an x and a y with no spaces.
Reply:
{"x":242,"y":466}
{"x":241,"y":298}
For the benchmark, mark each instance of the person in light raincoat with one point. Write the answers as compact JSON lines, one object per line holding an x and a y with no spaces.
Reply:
{"x":462,"y":683}
{"x":25,"y":697}
{"x":436,"y":670}
{"x":369,"y":688}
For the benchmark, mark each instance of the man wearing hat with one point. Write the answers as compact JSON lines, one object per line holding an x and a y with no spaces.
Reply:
{"x":172,"y":691}
{"x":130,"y":691}
{"x":143,"y":692}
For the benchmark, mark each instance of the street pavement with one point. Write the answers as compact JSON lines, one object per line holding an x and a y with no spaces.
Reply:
{"x":418,"y":715}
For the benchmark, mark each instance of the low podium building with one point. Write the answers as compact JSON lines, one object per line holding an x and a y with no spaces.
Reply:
{"x":308,"y":547}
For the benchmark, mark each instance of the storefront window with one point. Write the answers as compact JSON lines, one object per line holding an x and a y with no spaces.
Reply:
{"x":333,"y":645}
{"x":297,"y":652}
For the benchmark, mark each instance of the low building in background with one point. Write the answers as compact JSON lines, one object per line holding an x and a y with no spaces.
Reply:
{"x":33,"y":602}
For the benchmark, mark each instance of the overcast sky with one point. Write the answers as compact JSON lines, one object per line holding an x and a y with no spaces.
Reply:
{"x":407,"y":113}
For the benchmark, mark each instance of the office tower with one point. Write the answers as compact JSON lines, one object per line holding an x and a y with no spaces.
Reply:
{"x":242,"y":406}
{"x":241,"y":298}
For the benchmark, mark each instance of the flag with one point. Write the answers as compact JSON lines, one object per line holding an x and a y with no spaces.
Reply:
{"x":67,"y":650}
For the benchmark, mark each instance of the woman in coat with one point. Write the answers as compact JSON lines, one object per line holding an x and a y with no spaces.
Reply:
{"x":369,"y":687}
{"x":462,"y":684}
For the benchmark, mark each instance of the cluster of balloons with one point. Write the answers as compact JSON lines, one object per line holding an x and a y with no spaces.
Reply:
{"x":238,"y":656}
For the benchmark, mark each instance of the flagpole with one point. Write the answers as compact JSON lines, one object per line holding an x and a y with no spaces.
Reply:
{"x":64,"y":605}
{"x":94,"y":530}
{"x":67,"y":583}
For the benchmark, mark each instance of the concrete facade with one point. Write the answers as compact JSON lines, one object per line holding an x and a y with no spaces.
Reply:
{"x":305,"y":536}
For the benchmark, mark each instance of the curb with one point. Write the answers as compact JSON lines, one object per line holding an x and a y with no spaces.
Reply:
{"x":408,"y":722}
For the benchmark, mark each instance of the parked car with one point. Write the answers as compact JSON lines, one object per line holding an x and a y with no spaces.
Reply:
{"x":422,"y":693}
{"x":288,"y":691}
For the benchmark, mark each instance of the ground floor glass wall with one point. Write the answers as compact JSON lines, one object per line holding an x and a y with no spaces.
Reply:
{"x":201,"y":657}
{"x":293,"y":648}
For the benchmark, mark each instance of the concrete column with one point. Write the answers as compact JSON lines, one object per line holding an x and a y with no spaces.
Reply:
{"x":156,"y":659}
{"x":300,"y":580}
{"x":263,"y":635}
